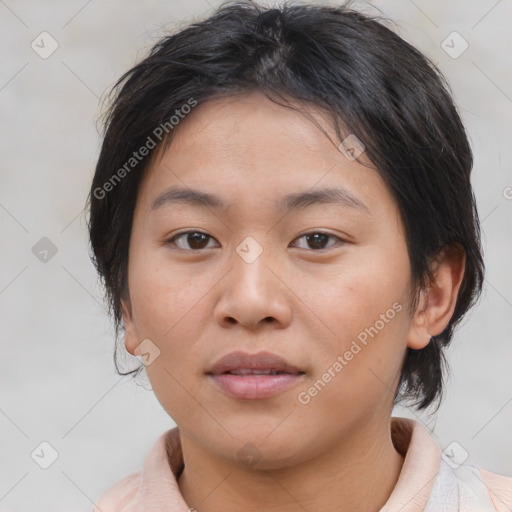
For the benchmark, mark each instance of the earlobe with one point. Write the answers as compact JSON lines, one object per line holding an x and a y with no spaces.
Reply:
{"x":130,"y":334}
{"x":438,"y":300}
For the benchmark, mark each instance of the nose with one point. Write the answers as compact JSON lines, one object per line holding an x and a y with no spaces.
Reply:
{"x":254,"y":294}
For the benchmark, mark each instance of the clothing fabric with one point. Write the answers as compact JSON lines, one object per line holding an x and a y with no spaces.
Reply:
{"x":429,"y":480}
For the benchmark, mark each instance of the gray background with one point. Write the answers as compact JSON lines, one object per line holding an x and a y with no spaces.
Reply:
{"x":57,"y":378}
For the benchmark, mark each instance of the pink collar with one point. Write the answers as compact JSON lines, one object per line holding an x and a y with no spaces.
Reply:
{"x":158,"y":489}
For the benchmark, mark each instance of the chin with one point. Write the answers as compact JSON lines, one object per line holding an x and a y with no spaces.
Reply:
{"x":263,"y":448}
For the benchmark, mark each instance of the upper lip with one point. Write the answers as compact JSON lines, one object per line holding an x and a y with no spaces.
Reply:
{"x":259,"y":361}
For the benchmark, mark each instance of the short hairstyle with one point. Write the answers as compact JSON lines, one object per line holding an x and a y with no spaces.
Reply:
{"x":366,"y":79}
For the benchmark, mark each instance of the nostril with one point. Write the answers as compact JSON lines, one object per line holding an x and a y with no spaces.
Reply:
{"x":268,"y":319}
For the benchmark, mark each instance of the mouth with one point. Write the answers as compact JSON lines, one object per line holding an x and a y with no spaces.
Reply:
{"x":254,"y":371}
{"x":253,"y":376}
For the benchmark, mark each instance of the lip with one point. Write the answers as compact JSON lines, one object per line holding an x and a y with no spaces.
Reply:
{"x":253,"y":387}
{"x":258,"y":361}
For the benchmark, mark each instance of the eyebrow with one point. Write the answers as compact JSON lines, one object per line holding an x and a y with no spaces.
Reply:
{"x":292,"y":201}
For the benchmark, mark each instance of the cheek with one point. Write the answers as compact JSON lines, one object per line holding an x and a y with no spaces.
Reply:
{"x":360,"y":367}
{"x":172,"y":306}
{"x":358,"y":294}
{"x":364,"y":307}
{"x":169,"y":309}
{"x":164,"y":296}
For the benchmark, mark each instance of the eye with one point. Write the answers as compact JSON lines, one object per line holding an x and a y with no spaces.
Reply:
{"x":317,"y":240}
{"x":196,"y":240}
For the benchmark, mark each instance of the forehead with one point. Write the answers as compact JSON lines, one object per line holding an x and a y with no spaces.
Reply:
{"x":250,"y":126}
{"x":246,"y":148}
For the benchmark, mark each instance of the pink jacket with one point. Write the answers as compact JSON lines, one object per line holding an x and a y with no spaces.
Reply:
{"x":428,"y":482}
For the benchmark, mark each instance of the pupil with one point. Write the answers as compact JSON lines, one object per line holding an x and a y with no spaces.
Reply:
{"x":317,"y":239}
{"x":196,"y":238}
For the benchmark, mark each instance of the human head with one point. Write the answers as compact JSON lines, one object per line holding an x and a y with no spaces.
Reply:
{"x":360,"y":75}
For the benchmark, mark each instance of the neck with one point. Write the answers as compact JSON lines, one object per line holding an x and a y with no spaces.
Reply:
{"x":356,"y":474}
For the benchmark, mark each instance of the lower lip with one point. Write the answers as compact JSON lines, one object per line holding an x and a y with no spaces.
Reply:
{"x":254,"y":387}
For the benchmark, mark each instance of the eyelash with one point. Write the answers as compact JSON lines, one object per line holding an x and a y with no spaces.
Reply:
{"x":171,"y":241}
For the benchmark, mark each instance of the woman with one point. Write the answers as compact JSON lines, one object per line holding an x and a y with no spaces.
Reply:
{"x":284,"y":221}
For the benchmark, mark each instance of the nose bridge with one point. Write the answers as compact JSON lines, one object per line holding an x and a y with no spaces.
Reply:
{"x":253,"y":293}
{"x":250,"y":261}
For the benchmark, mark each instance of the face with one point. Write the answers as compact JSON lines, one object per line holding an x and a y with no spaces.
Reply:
{"x":270,"y":277}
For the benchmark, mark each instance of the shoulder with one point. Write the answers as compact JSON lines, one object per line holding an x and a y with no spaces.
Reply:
{"x":143,"y":489}
{"x":431,"y":480}
{"x":120,"y":496}
{"x":479,"y":489}
{"x":499,"y":488}
{"x":466,"y":487}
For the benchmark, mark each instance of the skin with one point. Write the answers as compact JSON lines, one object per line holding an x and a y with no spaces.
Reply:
{"x":298,"y":301}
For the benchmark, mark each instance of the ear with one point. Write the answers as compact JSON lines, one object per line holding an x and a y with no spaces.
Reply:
{"x":437,"y":301}
{"x":131,"y":340}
